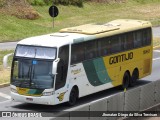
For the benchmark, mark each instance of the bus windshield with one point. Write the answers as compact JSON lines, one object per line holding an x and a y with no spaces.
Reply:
{"x":32,"y":67}
{"x":35,"y":52}
{"x":28,"y":73}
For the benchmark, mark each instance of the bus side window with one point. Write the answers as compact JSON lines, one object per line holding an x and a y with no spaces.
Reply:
{"x":123,"y":42}
{"x":77,"y":53}
{"x":129,"y":40}
{"x":137,"y":39}
{"x":90,"y":49}
{"x":62,"y":67}
{"x":104,"y":47}
{"x":116,"y":44}
{"x":147,"y":36}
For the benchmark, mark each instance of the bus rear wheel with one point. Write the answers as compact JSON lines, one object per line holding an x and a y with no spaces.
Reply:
{"x":134,"y":78}
{"x":73,"y":97}
{"x":126,"y":80}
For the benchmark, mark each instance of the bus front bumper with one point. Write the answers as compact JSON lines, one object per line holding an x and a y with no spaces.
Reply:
{"x":47,"y":100}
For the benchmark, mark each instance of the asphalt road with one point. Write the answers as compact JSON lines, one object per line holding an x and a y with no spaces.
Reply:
{"x":12,"y":45}
{"x":8,"y":45}
{"x":156,"y":31}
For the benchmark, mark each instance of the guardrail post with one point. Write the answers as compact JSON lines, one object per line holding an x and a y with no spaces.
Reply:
{"x":115,"y":103}
{"x":132,"y":100}
{"x":147,"y":96}
{"x":81,"y":113}
{"x":5,"y":60}
{"x":97,"y":108}
{"x":157,"y":92}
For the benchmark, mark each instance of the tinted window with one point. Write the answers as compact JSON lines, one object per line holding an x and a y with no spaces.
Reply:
{"x":147,"y":36}
{"x":123,"y":39}
{"x":116,"y":44}
{"x":77,"y":53}
{"x":64,"y":54}
{"x":90,"y":49}
{"x":62,"y":67}
{"x":109,"y":45}
{"x":129,"y":41}
{"x":104,"y":46}
{"x":137,"y":39}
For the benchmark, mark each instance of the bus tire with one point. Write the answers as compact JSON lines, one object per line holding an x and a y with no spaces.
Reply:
{"x":126,"y":80}
{"x":134,"y":78}
{"x":73,"y":97}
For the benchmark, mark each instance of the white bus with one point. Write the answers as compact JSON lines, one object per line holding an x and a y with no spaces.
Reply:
{"x":78,"y":61}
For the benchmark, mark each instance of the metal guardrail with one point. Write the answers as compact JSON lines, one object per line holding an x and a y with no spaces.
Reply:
{"x":137,"y":99}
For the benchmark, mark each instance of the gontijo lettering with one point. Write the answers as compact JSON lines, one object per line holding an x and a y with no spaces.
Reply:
{"x":121,"y":58}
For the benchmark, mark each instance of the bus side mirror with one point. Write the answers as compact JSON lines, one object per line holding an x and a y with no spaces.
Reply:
{"x":55,"y":63}
{"x":5,"y":60}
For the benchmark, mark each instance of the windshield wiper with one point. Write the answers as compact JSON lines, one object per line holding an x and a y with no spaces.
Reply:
{"x":29,"y":71}
{"x":52,"y":75}
{"x":33,"y":85}
{"x":24,"y":83}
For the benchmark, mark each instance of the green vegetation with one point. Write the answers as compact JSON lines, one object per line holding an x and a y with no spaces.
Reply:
{"x":78,"y":3}
{"x":14,"y":29}
{"x":2,"y":2}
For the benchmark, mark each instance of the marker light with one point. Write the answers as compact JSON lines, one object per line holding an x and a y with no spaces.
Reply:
{"x":14,"y":90}
{"x":48,"y":93}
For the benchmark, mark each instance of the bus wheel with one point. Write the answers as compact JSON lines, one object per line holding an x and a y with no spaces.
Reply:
{"x":73,"y":97}
{"x":126,"y":79}
{"x":134,"y":78}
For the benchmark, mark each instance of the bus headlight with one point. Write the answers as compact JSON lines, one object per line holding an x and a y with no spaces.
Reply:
{"x":14,"y":90}
{"x":47,"y":93}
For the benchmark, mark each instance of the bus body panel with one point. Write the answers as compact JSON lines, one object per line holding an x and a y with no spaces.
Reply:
{"x":91,"y":75}
{"x":97,"y":74}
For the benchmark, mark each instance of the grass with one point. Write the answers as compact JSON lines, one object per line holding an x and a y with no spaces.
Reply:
{"x":14,"y":29}
{"x":5,"y":73}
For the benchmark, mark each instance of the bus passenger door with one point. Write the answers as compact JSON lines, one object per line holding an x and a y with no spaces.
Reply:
{"x":62,"y":70}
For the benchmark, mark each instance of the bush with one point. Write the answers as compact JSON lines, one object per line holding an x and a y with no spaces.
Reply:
{"x":37,"y":2}
{"x":146,"y":1}
{"x":2,"y":3}
{"x":78,"y":3}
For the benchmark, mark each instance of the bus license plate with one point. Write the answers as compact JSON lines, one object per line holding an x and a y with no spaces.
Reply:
{"x":29,"y":99}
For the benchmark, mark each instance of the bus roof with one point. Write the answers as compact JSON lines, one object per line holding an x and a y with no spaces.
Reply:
{"x":116,"y":25}
{"x":85,"y":32}
{"x":52,"y":40}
